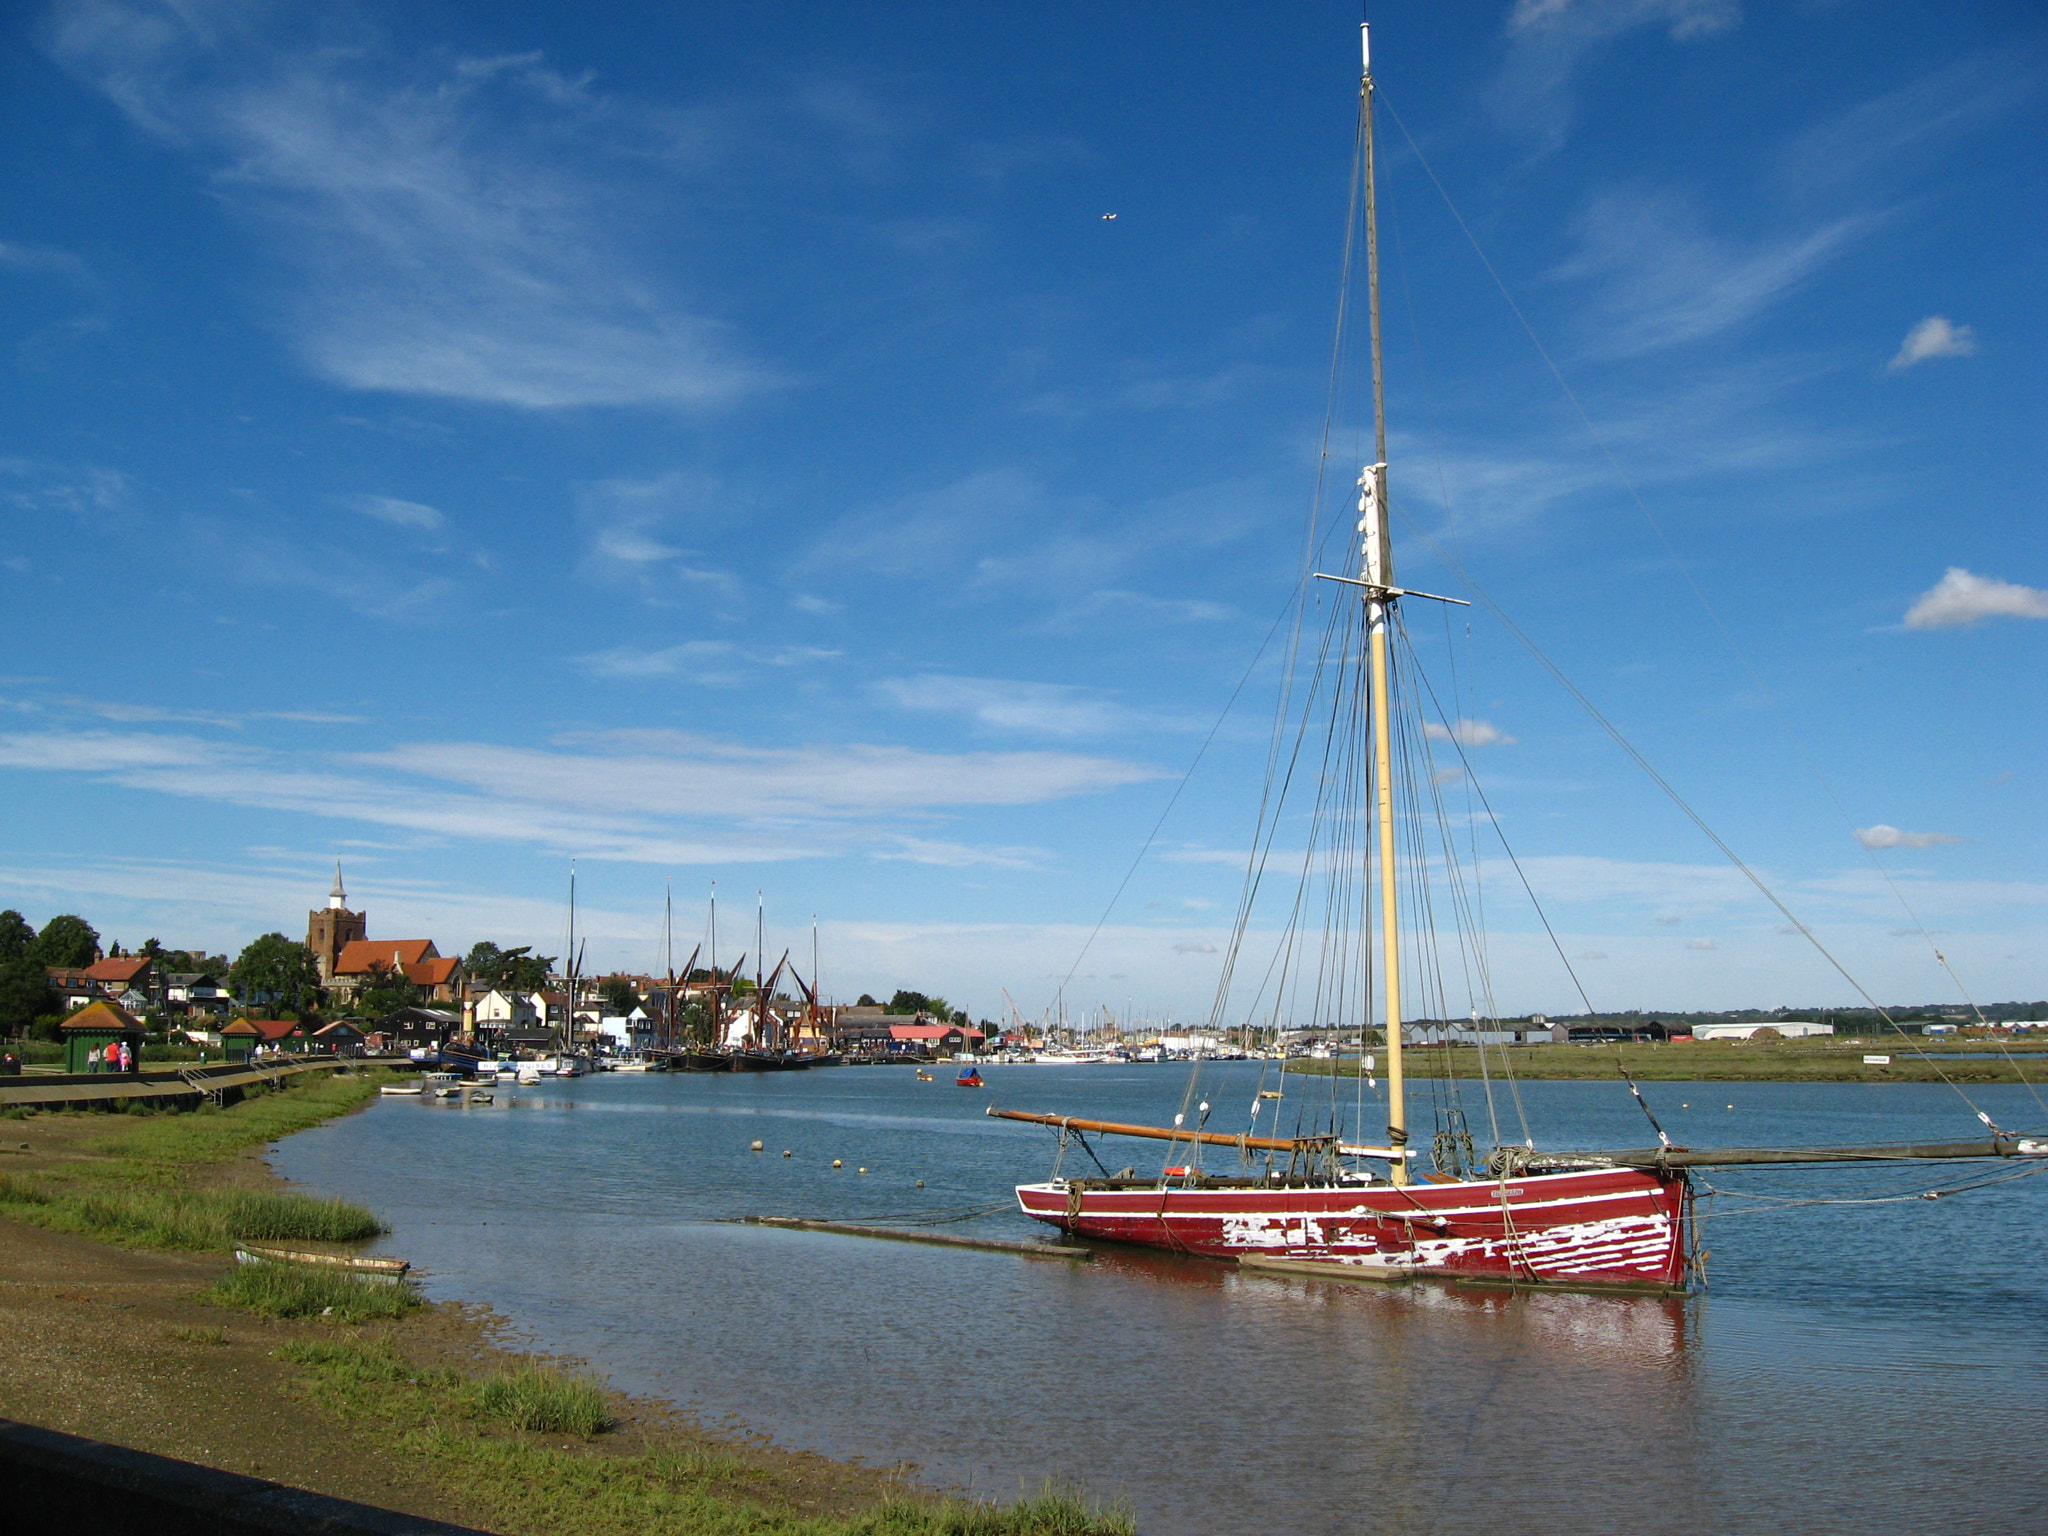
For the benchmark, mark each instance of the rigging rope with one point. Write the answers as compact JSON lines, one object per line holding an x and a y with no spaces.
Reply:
{"x":1728,"y":639}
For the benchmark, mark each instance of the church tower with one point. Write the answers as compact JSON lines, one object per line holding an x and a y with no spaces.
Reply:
{"x":331,"y":929}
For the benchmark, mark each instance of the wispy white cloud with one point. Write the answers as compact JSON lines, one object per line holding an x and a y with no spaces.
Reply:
{"x":635,"y":523}
{"x":1468,"y":733}
{"x":645,"y":796}
{"x":952,"y":855}
{"x":1044,"y":708}
{"x":267,"y":556}
{"x":400,"y":514}
{"x":671,"y":772}
{"x":1961,"y":598}
{"x":703,"y":661}
{"x":1933,"y":337}
{"x":1665,"y":280}
{"x":92,"y":493}
{"x":1550,"y":40}
{"x":1592,"y":20}
{"x":437,"y":242}
{"x":17,"y":257}
{"x":1701,"y":944}
{"x":1882,"y":836}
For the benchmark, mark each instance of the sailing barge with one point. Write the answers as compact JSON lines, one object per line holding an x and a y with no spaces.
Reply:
{"x":1322,"y":1205}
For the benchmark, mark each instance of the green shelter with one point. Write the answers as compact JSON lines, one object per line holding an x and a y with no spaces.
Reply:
{"x":88,"y":1033}
{"x":240,"y":1039}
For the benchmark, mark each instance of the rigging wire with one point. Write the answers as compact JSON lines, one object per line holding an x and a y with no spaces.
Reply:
{"x":1720,"y":625}
{"x":1671,"y":792}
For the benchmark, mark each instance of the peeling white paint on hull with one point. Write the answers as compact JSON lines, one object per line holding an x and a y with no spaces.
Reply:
{"x":1599,"y":1227}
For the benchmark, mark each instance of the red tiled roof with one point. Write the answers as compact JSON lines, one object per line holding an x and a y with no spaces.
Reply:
{"x":437,"y":972}
{"x":120,"y":972}
{"x":919,"y":1031}
{"x":361,"y":956}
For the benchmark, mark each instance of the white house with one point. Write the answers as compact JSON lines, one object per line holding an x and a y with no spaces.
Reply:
{"x":497,"y":1010}
{"x":627,"y":1032}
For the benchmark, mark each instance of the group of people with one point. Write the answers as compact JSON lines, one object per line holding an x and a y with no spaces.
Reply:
{"x":119,"y":1056}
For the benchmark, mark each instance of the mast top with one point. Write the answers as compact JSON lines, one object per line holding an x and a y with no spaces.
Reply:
{"x":1365,"y":47}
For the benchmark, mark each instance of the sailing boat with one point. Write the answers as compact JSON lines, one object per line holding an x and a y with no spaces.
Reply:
{"x":1327,"y":1205}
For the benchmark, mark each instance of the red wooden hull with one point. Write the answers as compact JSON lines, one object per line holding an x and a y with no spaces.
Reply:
{"x":1599,"y":1227}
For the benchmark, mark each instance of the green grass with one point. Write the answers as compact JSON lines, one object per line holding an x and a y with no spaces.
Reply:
{"x":135,"y":1186}
{"x":209,"y":1137}
{"x":293,"y":1290}
{"x":540,"y":1398}
{"x":191,"y":1219}
{"x":1701,"y":1061}
{"x":538,"y":1485}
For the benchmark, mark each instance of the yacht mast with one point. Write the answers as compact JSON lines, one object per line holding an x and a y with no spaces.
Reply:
{"x":1376,"y":572}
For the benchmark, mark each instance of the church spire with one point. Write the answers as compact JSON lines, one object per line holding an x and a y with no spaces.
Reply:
{"x":337,"y":899}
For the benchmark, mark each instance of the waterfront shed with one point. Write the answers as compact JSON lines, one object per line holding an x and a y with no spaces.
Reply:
{"x":95,"y":1027}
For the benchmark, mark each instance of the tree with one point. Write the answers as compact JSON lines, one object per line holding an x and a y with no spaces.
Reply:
{"x":67,"y":940}
{"x":24,"y":992}
{"x":388,"y":993}
{"x":276,"y":972}
{"x":909,"y":1002}
{"x":513,"y":970}
{"x":620,"y":996}
{"x":866,"y":1000}
{"x":16,"y":936}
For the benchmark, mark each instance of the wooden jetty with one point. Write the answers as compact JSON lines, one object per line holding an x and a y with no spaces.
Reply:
{"x":170,"y":1087}
{"x":914,"y":1235}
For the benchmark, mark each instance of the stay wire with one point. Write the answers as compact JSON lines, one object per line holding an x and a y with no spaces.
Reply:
{"x":1713,"y":613}
{"x":1671,"y":792}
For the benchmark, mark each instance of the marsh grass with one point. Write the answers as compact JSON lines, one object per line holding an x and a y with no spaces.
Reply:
{"x":197,"y":1335}
{"x":201,"y":1136}
{"x":292,"y":1290}
{"x":193,"y":1219}
{"x":535,"y":1484}
{"x":540,"y":1398}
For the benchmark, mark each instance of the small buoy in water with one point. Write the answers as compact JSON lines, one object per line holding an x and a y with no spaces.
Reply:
{"x":1731,"y":1106}
{"x":785,"y":1151}
{"x":920,"y":1183}
{"x":756,"y":1147}
{"x":836,"y":1163}
{"x":863,"y":1170}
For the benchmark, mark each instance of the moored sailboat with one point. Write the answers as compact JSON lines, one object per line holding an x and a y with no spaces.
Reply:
{"x":1325,"y":1203}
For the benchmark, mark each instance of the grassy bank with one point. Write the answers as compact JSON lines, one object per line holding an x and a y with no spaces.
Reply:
{"x":529,"y":1445}
{"x":1706,"y":1061}
{"x":148,"y":1180}
{"x":393,"y":1400}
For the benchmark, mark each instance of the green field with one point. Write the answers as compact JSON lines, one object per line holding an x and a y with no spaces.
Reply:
{"x":1713,"y":1061}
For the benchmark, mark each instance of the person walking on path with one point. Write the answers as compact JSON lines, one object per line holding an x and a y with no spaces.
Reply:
{"x":127,"y":1057}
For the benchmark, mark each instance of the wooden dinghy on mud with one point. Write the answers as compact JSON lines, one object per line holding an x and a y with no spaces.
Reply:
{"x":391,"y":1271}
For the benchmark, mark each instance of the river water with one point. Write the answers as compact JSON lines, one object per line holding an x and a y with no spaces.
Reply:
{"x":1857,"y":1368}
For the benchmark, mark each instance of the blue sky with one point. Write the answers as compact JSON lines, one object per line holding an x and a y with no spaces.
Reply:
{"x":730,"y":442}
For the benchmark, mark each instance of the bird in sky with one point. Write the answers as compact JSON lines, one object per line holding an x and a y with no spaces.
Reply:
{"x":1109,"y":215}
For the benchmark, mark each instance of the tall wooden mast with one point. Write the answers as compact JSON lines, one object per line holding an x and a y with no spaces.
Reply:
{"x":1376,"y":573}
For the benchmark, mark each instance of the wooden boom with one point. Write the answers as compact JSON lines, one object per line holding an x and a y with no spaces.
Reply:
{"x":1731,"y":1157}
{"x":1207,"y":1138}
